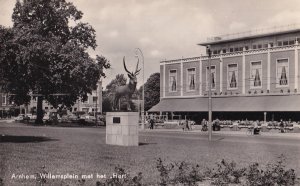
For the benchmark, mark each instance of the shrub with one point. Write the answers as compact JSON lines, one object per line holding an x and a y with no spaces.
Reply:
{"x":274,"y":174}
{"x":126,"y":181}
{"x":187,"y":174}
{"x":227,"y":173}
{"x":164,"y":171}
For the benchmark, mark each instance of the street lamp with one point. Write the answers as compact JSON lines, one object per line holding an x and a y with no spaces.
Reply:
{"x":208,"y":51}
{"x":137,"y":50}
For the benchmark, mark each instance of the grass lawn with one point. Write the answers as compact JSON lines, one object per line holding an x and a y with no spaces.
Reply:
{"x":26,"y":149}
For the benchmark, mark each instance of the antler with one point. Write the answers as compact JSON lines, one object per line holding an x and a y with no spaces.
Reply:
{"x":125,"y":66}
{"x":136,"y":69}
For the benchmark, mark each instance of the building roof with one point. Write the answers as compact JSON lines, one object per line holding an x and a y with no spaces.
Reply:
{"x":252,"y":34}
{"x":268,"y":103}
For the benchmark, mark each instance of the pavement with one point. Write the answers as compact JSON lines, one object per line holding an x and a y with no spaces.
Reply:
{"x":241,"y":133}
{"x":223,"y":132}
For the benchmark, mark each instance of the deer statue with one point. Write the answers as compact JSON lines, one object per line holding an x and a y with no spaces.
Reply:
{"x":128,"y":89}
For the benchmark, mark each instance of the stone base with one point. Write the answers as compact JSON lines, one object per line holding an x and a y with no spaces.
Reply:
{"x":122,"y":128}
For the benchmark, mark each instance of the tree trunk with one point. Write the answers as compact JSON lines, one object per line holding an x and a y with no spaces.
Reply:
{"x":39,"y":111}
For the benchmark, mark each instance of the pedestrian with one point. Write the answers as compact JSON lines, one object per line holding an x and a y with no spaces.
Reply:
{"x":187,"y":124}
{"x":204,"y":125}
{"x":255,"y":127}
{"x":151,"y":120}
{"x":152,"y":124}
{"x":281,"y":125}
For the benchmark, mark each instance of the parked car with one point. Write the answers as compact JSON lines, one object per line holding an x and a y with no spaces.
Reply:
{"x":73,"y":118}
{"x":20,"y":117}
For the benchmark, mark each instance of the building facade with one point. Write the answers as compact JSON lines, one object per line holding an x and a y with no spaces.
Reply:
{"x":250,"y":72}
{"x":93,"y":104}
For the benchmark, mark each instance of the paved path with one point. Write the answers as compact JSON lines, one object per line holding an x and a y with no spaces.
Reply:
{"x":227,"y":133}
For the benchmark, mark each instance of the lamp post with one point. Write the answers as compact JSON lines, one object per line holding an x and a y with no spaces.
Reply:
{"x":137,"y":50}
{"x":208,"y":51}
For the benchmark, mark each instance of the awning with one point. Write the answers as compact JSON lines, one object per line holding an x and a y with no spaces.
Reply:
{"x":271,"y":103}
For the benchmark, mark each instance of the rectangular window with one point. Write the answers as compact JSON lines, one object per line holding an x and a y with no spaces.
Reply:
{"x":232,"y":76}
{"x":213,"y":77}
{"x":265,"y":45}
{"x":271,"y":44}
{"x":3,"y":100}
{"x":259,"y":46}
{"x":256,"y":75}
{"x":215,"y":52}
{"x":231,"y":49}
{"x":191,"y":76}
{"x":282,"y":73}
{"x":224,"y":51}
{"x":246,"y":48}
{"x":236,"y":49}
{"x":253,"y":46}
{"x":291,"y":42}
{"x":95,"y":98}
{"x":173,"y":81}
{"x":285,"y":43}
{"x":279,"y":43}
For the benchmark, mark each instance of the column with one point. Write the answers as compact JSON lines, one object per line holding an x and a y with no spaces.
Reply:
{"x":296,"y":64}
{"x":221,"y":72}
{"x":181,"y":80}
{"x":243,"y":72}
{"x":269,"y":68}
{"x":164,"y":80}
{"x":200,"y":78}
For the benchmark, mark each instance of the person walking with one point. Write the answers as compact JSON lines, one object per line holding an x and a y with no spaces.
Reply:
{"x":281,"y":125}
{"x":255,"y":127}
{"x":151,"y":121}
{"x":204,"y":125}
{"x":187,"y":124}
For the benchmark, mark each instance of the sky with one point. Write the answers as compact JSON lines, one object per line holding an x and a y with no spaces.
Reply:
{"x":168,"y":29}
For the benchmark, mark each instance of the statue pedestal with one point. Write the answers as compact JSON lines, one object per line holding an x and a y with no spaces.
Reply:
{"x":122,"y":128}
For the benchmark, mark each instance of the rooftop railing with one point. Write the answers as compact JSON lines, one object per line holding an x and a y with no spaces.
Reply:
{"x":255,"y":32}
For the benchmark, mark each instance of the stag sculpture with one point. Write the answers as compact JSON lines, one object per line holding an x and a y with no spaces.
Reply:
{"x":128,"y":89}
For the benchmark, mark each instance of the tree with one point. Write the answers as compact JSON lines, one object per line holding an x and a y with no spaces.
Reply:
{"x":43,"y":55}
{"x":152,"y":91}
{"x":109,"y":92}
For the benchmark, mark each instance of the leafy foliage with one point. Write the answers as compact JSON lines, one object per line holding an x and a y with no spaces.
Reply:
{"x":227,"y":173}
{"x":273,"y":174}
{"x":109,"y":92}
{"x":152,"y":91}
{"x":42,"y":54}
{"x":164,"y":172}
{"x":127,"y":181}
